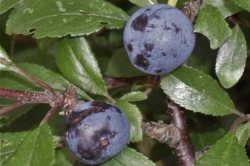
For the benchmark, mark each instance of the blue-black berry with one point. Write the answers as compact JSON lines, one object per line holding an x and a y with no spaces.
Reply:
{"x":158,"y":39}
{"x":96,"y":132}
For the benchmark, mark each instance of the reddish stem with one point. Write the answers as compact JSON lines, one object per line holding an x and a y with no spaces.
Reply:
{"x":11,"y":107}
{"x":112,"y":82}
{"x":33,"y":79}
{"x":26,"y":97}
{"x":183,"y":150}
{"x":238,"y":122}
{"x":49,"y":114}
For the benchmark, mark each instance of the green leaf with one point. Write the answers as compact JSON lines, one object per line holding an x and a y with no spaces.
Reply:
{"x":27,"y":121}
{"x":36,"y":149}
{"x":197,"y":91}
{"x":134,"y":96}
{"x":227,"y":151}
{"x":63,"y":17}
{"x":129,"y":157}
{"x":231,"y":58}
{"x":115,"y":39}
{"x":55,"y":80}
{"x":120,"y":65}
{"x":134,"y":117}
{"x":12,"y":80}
{"x":3,"y":54}
{"x":9,"y":142}
{"x":243,"y":133}
{"x":211,"y":23}
{"x":203,"y":57}
{"x":143,"y":3}
{"x":226,"y":7}
{"x":78,"y":64}
{"x":5,"y":62}
{"x":64,"y":157}
{"x":7,"y":4}
{"x":243,"y":3}
{"x":7,"y":118}
{"x":56,"y":122}
{"x":46,"y":46}
{"x":202,"y":139}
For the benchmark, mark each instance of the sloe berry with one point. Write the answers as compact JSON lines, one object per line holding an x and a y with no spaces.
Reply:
{"x":158,"y":39}
{"x":96,"y":131}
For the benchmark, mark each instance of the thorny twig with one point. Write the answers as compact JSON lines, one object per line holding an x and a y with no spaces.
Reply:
{"x":67,"y":100}
{"x":167,"y":134}
{"x":183,"y":149}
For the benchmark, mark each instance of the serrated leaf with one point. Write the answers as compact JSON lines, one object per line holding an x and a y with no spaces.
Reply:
{"x":7,"y":4}
{"x":243,"y":3}
{"x":7,"y":118}
{"x":63,"y":17}
{"x":36,"y":149}
{"x":9,"y":142}
{"x":226,"y":7}
{"x":134,"y":117}
{"x":120,"y":65}
{"x":231,"y":58}
{"x":10,"y":80}
{"x":134,"y":96}
{"x":243,"y":133}
{"x":64,"y":157}
{"x":55,"y":80}
{"x":143,"y":3}
{"x":129,"y":157}
{"x":204,"y":138}
{"x":210,"y":22}
{"x":78,"y":64}
{"x":227,"y":151}
{"x":5,"y":62}
{"x":197,"y":91}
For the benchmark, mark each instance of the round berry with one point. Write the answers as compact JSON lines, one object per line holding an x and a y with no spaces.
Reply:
{"x":158,"y":39}
{"x":96,"y":131}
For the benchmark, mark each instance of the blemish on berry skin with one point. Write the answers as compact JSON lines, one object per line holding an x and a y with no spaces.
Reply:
{"x":104,"y":142}
{"x":149,"y":46}
{"x":158,"y":71}
{"x":141,"y":61}
{"x":139,"y":24}
{"x":176,"y":28}
{"x":130,"y":47}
